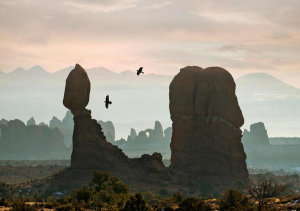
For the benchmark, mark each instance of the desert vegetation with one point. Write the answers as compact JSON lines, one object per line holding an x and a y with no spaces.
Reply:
{"x":105,"y":192}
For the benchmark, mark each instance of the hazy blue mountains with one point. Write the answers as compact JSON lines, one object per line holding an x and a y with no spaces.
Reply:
{"x":139,"y":101}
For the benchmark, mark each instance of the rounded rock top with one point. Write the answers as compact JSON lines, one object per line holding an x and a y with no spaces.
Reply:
{"x":77,"y":89}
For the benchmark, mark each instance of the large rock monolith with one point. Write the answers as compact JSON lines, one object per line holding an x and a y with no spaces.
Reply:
{"x":206,"y":139}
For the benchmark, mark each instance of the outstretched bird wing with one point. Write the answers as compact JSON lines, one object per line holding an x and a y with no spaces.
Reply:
{"x":106,"y":101}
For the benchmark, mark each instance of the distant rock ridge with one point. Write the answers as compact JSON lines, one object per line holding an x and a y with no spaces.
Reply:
{"x":257,"y":137}
{"x":147,"y":141}
{"x":270,"y":153}
{"x":30,"y":142}
{"x":31,"y":121}
{"x":108,"y":130}
{"x":55,"y":122}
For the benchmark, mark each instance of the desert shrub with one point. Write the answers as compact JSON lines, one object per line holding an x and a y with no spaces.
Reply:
{"x":264,"y":189}
{"x":165,"y":203}
{"x":104,"y":191}
{"x":4,"y":202}
{"x":117,"y":186}
{"x":193,"y":203}
{"x":83,"y":194}
{"x":20,"y":204}
{"x":136,"y":202}
{"x":64,"y":207}
{"x":5,"y":190}
{"x":178,"y":197}
{"x":102,"y":181}
{"x":234,"y":200}
{"x":149,"y":196}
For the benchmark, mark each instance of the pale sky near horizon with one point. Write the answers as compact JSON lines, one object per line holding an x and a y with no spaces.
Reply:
{"x":243,"y":36}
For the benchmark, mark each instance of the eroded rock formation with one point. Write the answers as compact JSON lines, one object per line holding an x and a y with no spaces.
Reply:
{"x":31,"y":142}
{"x":257,"y":137}
{"x":91,"y":150}
{"x":55,"y":123}
{"x":207,"y":153}
{"x":206,"y":139}
{"x":31,"y":121}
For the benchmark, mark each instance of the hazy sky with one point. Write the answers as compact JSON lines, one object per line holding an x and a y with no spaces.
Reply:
{"x":163,"y":36}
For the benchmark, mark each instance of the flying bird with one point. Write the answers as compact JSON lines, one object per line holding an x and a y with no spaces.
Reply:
{"x":139,"y":71}
{"x":107,"y":102}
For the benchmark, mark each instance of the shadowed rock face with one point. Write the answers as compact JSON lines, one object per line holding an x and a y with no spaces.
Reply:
{"x":77,"y":90}
{"x":206,"y":139}
{"x":91,"y":151}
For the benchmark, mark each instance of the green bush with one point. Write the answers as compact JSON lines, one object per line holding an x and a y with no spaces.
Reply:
{"x":83,"y":194}
{"x":102,"y":181}
{"x":64,"y":207}
{"x":194,"y":204}
{"x":136,"y":203}
{"x":19,"y":204}
{"x":234,"y":200}
{"x":177,"y":197}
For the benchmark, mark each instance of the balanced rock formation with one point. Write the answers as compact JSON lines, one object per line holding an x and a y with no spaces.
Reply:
{"x":91,"y":150}
{"x":207,"y":152}
{"x":206,"y":140}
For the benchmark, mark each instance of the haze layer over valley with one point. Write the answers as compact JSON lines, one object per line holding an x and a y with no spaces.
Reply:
{"x":139,"y":101}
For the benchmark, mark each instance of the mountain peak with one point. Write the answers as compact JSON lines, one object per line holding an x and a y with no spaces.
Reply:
{"x":100,"y":69}
{"x":127,"y":72}
{"x":259,"y":76}
{"x":36,"y":69}
{"x":18,"y":70}
{"x":259,"y":83}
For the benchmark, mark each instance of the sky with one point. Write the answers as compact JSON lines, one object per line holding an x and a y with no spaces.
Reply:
{"x":243,"y":36}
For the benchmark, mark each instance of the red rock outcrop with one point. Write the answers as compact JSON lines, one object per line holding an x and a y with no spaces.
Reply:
{"x":206,"y":139}
{"x":91,"y":150}
{"x":207,"y":153}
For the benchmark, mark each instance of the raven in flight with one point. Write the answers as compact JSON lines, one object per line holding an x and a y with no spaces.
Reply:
{"x":139,"y":71}
{"x":107,"y":102}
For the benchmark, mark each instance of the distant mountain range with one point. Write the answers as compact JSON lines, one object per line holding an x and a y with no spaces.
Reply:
{"x":265,"y":98}
{"x":260,"y":85}
{"x":139,"y":101}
